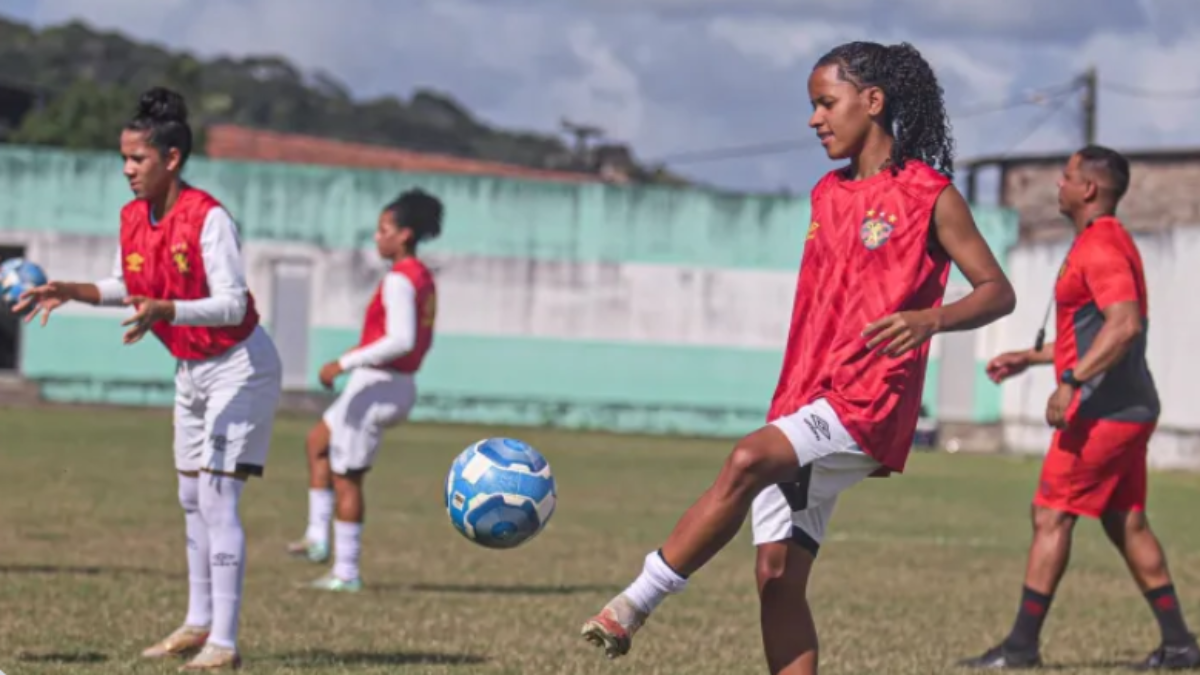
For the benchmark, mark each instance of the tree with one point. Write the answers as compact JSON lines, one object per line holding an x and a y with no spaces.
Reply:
{"x":85,"y":116}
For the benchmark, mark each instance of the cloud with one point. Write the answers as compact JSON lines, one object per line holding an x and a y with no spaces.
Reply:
{"x":1058,"y":21}
{"x":1141,"y":62}
{"x":672,"y":76}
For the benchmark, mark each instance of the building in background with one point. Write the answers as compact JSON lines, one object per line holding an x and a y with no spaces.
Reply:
{"x":227,"y":141}
{"x":1164,"y":191}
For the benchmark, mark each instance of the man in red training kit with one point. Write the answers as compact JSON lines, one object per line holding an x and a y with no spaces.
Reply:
{"x":1104,"y":412}
{"x":884,"y":231}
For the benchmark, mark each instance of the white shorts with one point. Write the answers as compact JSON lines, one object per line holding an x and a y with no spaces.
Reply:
{"x":225,"y":408}
{"x":373,"y":400}
{"x":830,"y":462}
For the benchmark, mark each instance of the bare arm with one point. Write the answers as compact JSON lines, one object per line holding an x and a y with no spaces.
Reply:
{"x":81,"y":292}
{"x":110,"y":291}
{"x":54,"y":294}
{"x":991,"y":296}
{"x":1042,"y":357}
{"x":1122,"y":326}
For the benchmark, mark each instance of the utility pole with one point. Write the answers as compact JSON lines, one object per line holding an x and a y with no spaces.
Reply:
{"x":582,"y":133}
{"x":1089,"y":81}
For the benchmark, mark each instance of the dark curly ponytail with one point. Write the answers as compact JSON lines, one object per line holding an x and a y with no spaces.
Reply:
{"x":914,"y":112}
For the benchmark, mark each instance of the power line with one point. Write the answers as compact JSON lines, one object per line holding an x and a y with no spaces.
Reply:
{"x":737,"y":151}
{"x":1038,"y":122}
{"x":1139,"y":92}
{"x":1035,"y":97}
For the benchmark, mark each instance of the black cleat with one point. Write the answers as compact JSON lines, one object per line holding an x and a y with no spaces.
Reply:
{"x":1184,"y":657}
{"x":1002,"y":657}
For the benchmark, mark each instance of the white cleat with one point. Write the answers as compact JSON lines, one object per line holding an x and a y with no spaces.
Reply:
{"x":184,"y":641}
{"x":214,"y":657}
{"x":613,"y":628}
{"x":314,"y":552}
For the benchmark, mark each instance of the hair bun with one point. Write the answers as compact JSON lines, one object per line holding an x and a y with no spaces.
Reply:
{"x":162,"y":105}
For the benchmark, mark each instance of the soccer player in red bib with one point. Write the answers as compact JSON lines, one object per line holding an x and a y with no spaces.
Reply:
{"x":180,"y":266}
{"x":885,"y":229}
{"x":397,"y":334}
{"x":1104,"y":411}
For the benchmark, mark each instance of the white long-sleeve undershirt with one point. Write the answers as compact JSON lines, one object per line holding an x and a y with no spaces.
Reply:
{"x":223,"y":267}
{"x":400,"y":307}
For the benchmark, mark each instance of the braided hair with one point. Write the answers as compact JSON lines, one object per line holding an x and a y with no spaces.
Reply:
{"x":914,"y":110}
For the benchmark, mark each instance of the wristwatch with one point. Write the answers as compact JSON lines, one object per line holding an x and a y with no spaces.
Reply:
{"x":1068,"y":377}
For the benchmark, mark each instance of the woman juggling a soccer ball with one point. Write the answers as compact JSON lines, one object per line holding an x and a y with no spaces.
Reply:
{"x":180,"y":267}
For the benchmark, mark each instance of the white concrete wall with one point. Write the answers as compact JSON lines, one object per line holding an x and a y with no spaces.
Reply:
{"x":1173,"y":280}
{"x":513,"y":297}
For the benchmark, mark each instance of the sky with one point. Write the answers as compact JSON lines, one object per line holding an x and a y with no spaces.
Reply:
{"x":677,"y":77}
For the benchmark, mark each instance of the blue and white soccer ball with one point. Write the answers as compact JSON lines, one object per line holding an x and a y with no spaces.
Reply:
{"x":500,"y":493}
{"x":18,"y":275}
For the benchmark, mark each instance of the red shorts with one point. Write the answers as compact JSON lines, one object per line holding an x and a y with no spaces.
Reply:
{"x":1096,"y":466}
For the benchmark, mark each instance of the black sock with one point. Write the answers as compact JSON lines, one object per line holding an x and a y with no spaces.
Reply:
{"x":1027,"y":630}
{"x":1165,"y":605}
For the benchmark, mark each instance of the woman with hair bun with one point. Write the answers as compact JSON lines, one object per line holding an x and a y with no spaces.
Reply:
{"x":397,"y":334}
{"x":179,"y":265}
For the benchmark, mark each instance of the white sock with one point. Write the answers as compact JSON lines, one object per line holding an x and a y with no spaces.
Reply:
{"x":219,"y":496}
{"x":655,"y":583}
{"x":347,"y":544}
{"x":320,"y":514}
{"x":199,"y":612}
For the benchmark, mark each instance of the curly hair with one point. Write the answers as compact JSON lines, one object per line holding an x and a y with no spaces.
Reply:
{"x":914,"y":110}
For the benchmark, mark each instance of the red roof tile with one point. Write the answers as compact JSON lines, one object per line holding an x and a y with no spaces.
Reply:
{"x":227,"y":141}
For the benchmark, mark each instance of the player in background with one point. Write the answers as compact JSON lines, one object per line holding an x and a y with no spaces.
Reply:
{"x":397,"y":333}
{"x":884,"y":231}
{"x":1104,"y":411}
{"x":180,"y":267}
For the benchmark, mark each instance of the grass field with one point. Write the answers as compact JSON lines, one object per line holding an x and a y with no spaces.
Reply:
{"x":922,"y":569}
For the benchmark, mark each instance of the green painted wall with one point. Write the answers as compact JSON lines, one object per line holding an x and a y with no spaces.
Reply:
{"x":514,"y":380}
{"x":82,"y":193}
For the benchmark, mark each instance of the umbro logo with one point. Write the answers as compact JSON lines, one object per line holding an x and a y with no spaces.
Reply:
{"x":818,"y":426}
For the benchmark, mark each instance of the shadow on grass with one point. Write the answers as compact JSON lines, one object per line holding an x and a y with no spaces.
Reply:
{"x":87,"y":570}
{"x":1090,"y":665}
{"x":324,"y":659}
{"x":62,"y":657}
{"x":489,"y":589}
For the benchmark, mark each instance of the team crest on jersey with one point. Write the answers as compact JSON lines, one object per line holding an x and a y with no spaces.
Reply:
{"x":133,"y":262}
{"x":179,"y":255}
{"x":1062,"y":270}
{"x":876,"y":229}
{"x":812,"y":230}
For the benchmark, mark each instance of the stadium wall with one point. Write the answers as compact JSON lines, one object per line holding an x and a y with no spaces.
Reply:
{"x":1169,"y":257}
{"x":589,"y":306}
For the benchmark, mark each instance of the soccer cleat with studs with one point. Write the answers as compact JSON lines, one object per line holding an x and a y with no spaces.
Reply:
{"x":183,"y":641}
{"x":1168,"y":657}
{"x":1002,"y":657}
{"x":311,"y":551}
{"x":613,"y":628}
{"x":213,"y":657}
{"x":331,"y":582}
